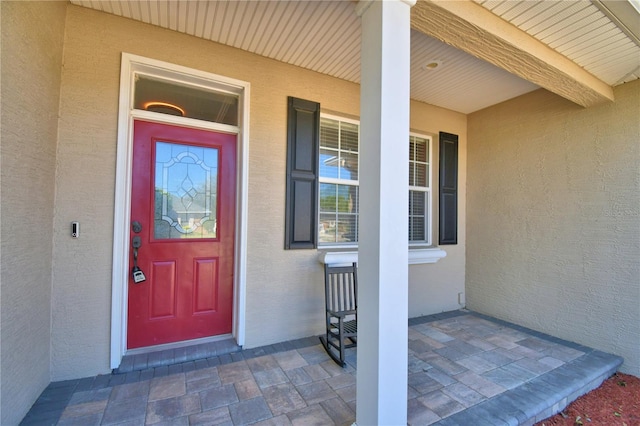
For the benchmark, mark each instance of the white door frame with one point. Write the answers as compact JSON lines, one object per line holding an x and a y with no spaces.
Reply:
{"x":131,"y":65}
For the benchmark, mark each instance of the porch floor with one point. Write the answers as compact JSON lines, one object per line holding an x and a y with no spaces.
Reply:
{"x":464,"y":368}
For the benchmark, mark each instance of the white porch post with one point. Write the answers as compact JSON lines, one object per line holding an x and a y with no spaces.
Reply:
{"x":383,"y":236}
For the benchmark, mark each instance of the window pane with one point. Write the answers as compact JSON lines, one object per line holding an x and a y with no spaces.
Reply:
{"x":412,"y":174}
{"x":328,"y":197}
{"x":329,"y":133}
{"x":349,"y":166}
{"x":416,"y":200}
{"x":417,"y":215}
{"x":416,"y":229}
{"x":338,"y":149}
{"x":422,"y":152}
{"x":185,"y":191}
{"x":329,"y":162}
{"x":347,"y":201}
{"x":420,"y":175}
{"x":418,"y":162}
{"x":347,"y":228}
{"x":349,"y":137}
{"x":167,"y":97}
{"x":327,"y":228}
{"x":338,"y":213}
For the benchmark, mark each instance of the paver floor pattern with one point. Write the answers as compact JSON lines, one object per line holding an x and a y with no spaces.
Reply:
{"x":453,"y":364}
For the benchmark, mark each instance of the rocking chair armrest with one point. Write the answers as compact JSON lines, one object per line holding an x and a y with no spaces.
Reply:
{"x":341,"y":313}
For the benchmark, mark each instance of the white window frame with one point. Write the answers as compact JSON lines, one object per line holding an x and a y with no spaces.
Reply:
{"x":338,"y":181}
{"x":428,"y":190}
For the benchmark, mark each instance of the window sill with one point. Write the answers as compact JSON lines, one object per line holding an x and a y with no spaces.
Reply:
{"x":347,"y":256}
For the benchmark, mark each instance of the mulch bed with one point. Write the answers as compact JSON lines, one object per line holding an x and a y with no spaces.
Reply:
{"x":615,"y":402}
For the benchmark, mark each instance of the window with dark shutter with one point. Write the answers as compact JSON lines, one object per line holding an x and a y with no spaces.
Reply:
{"x":303,"y":124}
{"x":448,"y":221}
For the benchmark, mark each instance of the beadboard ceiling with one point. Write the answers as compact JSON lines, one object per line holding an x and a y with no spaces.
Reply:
{"x":602,"y":37}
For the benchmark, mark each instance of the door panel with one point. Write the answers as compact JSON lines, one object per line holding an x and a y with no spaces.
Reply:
{"x":183,"y":194}
{"x":162,"y":300}
{"x":205,"y":296}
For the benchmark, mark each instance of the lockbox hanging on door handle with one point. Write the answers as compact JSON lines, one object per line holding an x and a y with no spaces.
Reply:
{"x":136,"y":272}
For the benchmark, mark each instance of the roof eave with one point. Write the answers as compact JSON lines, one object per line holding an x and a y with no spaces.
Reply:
{"x":468,"y":26}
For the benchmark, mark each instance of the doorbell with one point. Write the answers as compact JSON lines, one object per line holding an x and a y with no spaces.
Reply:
{"x":75,"y":229}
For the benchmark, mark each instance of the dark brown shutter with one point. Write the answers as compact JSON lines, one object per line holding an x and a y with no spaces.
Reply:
{"x":303,"y":141}
{"x":448,"y":221}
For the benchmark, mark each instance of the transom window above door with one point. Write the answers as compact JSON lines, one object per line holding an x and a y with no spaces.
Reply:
{"x":168,"y":97}
{"x":338,"y":221}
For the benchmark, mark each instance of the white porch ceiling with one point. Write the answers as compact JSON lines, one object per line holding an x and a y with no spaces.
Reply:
{"x":602,"y":37}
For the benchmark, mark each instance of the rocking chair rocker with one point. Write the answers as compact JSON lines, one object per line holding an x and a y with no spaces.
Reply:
{"x":341,"y":295}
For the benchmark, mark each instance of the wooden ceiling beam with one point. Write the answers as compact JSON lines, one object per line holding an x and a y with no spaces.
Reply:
{"x":471,"y":28}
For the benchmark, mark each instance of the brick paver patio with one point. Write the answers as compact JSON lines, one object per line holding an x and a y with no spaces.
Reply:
{"x":464,"y":368}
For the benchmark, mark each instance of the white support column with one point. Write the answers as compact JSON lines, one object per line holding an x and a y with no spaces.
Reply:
{"x":383,"y":235}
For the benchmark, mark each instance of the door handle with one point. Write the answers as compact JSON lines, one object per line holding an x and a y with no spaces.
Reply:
{"x":136,"y":272}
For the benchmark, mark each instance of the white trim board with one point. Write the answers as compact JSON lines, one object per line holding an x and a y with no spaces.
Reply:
{"x":346,"y":257}
{"x":132,"y":64}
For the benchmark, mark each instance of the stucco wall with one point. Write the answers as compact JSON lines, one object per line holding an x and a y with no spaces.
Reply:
{"x":434,"y":288}
{"x":32,"y":38}
{"x":554,"y":218}
{"x":284,"y":288}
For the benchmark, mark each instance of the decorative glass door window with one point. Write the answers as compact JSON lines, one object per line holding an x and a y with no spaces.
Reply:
{"x":186,"y":187}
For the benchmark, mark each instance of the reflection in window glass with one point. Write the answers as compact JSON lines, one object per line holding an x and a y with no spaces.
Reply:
{"x":338,"y":213}
{"x":186,"y":183}
{"x":168,"y":97}
{"x":338,"y":181}
{"x":338,"y":149}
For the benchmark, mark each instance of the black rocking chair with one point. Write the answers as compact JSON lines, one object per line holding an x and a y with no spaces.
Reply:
{"x":341,"y":297}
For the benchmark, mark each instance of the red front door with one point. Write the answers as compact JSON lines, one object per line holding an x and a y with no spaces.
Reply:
{"x":183,"y":198}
